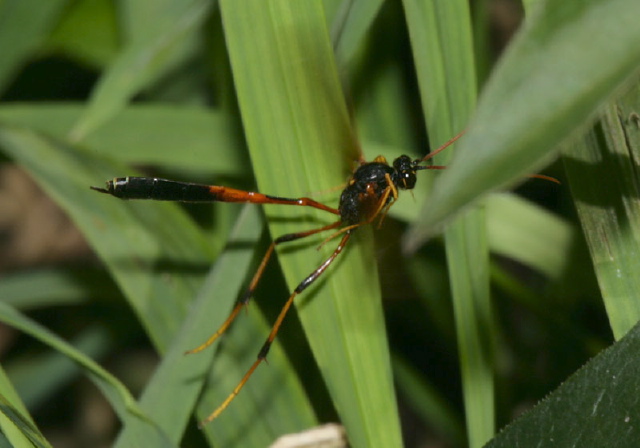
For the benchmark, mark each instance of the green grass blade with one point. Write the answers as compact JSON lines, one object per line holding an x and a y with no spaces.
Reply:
{"x":17,"y":430}
{"x":443,"y":50}
{"x":141,"y":245}
{"x":271,"y":404}
{"x":546,"y":86}
{"x":297,"y":128}
{"x":131,"y":240}
{"x":468,"y":262}
{"x":602,"y":171}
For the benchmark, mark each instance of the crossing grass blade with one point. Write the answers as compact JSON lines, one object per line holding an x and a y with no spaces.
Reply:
{"x":298,"y":132}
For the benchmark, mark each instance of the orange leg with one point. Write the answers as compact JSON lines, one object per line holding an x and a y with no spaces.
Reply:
{"x":244,"y":300}
{"x":262,"y":355}
{"x":384,"y":208}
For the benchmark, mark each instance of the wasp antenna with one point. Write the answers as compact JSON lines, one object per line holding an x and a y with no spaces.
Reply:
{"x":431,"y":167}
{"x":545,"y":177}
{"x":441,"y":148}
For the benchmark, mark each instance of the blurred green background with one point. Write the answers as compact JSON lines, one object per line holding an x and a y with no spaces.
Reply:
{"x":99,"y":298}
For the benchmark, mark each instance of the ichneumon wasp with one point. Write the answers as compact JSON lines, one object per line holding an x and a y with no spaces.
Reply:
{"x":371,"y":190}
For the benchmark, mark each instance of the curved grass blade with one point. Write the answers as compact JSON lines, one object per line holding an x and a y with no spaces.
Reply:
{"x":147,"y":255}
{"x":548,"y":84}
{"x":131,"y":239}
{"x":50,"y":287}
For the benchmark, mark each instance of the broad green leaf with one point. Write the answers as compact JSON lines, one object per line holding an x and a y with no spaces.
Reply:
{"x":596,"y":407}
{"x":297,"y":129}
